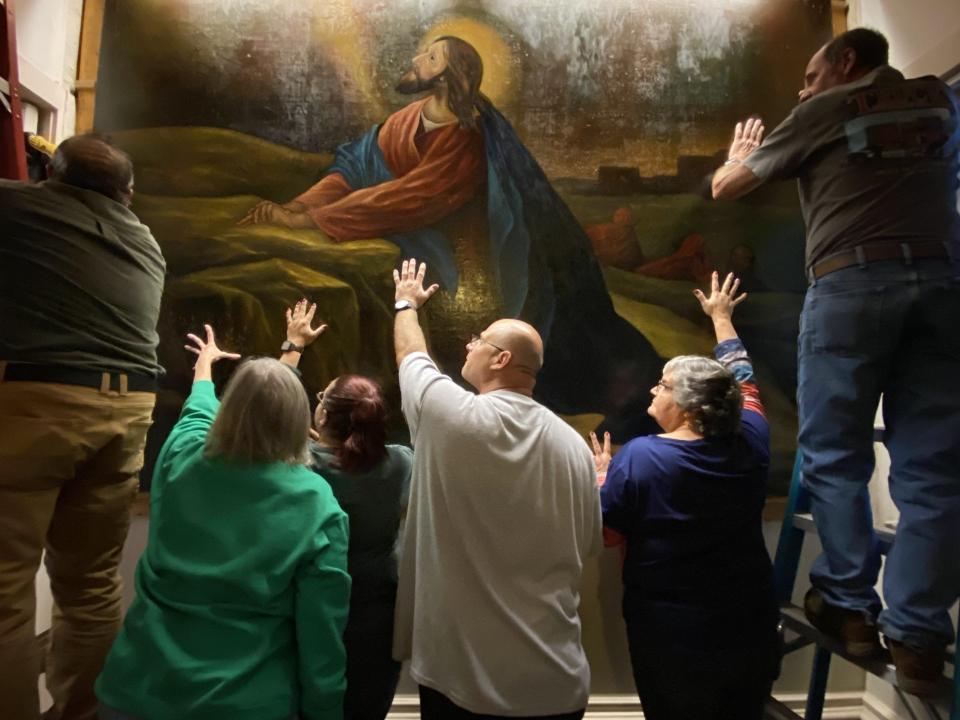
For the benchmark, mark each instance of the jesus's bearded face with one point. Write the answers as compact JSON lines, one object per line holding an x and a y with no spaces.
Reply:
{"x":427,"y":68}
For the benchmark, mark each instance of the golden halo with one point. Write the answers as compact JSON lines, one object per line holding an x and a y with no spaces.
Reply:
{"x":499,"y":65}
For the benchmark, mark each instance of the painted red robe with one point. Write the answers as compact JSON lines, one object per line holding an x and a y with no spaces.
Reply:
{"x":436,"y":173}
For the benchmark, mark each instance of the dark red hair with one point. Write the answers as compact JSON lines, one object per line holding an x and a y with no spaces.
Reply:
{"x":357,"y":419}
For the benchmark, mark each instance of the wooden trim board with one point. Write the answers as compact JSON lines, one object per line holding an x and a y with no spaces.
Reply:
{"x":91,"y":32}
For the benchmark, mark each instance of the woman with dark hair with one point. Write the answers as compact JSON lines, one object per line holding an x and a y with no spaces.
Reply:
{"x":242,"y":591}
{"x":698,"y":596}
{"x":371,"y":480}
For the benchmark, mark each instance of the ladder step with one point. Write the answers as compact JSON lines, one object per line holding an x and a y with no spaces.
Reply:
{"x":805,"y":522}
{"x":776,"y":710}
{"x":795,"y":621}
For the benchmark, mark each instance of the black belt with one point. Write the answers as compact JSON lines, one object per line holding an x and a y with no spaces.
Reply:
{"x":875,"y":252}
{"x":104,"y":381}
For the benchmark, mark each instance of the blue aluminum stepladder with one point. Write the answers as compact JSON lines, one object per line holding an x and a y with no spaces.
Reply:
{"x":797,"y":523}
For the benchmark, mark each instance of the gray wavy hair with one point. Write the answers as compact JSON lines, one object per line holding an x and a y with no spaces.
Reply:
{"x":264,"y":416}
{"x":708,"y":392}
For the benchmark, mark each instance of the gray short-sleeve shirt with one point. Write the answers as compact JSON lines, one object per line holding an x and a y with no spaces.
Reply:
{"x":504,"y":512}
{"x":875,"y":160}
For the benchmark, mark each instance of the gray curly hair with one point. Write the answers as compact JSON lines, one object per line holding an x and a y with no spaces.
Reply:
{"x":708,"y":392}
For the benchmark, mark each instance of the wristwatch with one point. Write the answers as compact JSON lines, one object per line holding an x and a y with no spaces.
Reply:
{"x":291,"y":347}
{"x":403,"y":305}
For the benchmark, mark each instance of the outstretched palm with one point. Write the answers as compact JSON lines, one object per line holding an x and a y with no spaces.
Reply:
{"x":300,"y":330}
{"x":723,"y":298}
{"x":409,"y":283}
{"x":747,"y":137}
{"x":207,"y":351}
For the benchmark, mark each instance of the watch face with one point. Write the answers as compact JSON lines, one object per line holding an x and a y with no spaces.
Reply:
{"x":402,"y":305}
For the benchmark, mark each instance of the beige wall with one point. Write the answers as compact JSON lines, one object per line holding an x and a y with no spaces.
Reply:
{"x":924,"y":35}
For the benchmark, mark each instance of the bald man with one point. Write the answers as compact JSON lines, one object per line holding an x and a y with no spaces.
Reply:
{"x":504,"y":511}
{"x":80,"y":285}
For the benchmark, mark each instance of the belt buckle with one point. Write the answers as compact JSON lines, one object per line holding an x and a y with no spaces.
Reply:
{"x":106,"y":383}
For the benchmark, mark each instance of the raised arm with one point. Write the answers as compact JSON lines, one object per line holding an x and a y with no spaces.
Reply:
{"x":300,"y":332}
{"x":734,"y":179}
{"x":730,"y":351}
{"x":207,"y":354}
{"x":200,"y":408}
{"x":720,"y":304}
{"x":410,"y":296}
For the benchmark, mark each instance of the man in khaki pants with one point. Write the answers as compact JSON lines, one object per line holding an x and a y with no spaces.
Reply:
{"x":80,"y":286}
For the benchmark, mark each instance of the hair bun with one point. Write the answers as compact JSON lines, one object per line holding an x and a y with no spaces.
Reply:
{"x":364,"y":411}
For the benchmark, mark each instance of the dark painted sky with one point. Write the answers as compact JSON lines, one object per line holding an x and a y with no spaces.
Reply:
{"x":584,"y":82}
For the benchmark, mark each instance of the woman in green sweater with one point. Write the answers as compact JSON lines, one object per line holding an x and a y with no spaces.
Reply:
{"x":243,"y":591}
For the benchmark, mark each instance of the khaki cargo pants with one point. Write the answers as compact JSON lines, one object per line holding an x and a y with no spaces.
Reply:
{"x":69,"y":458}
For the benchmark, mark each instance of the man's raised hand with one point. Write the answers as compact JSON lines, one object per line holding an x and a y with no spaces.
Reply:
{"x":409,"y":283}
{"x":747,"y":137}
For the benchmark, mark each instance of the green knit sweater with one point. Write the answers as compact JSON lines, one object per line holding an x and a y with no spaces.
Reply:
{"x":242,"y":592}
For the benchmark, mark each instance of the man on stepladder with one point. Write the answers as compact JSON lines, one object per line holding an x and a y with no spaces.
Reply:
{"x":875,"y":157}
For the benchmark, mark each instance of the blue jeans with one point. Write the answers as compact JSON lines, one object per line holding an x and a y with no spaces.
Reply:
{"x":893,"y":329}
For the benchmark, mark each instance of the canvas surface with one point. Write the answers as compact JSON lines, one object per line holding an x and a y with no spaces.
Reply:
{"x":625,"y":106}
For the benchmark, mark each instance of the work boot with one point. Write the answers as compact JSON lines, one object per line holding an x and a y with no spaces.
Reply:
{"x":852,"y":628}
{"x":919,"y":672}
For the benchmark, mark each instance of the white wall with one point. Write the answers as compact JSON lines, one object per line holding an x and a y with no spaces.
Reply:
{"x":48,"y":41}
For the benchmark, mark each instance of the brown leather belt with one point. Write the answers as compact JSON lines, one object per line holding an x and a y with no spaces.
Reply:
{"x":875,"y":252}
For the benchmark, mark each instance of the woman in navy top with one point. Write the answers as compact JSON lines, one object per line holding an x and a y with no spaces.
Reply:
{"x":698,"y":597}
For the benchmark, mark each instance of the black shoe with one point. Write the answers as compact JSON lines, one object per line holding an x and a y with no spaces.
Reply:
{"x":851,"y":628}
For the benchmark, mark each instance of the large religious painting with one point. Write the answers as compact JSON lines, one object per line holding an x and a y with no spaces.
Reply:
{"x":548,"y":159}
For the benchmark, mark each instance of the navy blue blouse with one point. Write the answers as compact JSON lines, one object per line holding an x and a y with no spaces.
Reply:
{"x":696,"y":565}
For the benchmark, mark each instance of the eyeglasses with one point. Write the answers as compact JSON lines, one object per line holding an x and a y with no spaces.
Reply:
{"x":661,"y":385}
{"x":476,"y":340}
{"x":320,"y":396}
